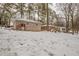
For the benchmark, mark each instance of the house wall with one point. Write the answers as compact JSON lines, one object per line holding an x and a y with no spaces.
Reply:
{"x":29,"y":26}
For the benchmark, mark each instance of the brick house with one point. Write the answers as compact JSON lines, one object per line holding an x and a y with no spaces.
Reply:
{"x":27,"y":25}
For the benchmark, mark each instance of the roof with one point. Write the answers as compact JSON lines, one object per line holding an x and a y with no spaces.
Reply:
{"x":27,"y":20}
{"x":46,"y":25}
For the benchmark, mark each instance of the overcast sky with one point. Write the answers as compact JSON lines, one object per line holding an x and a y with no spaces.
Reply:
{"x":55,"y":9}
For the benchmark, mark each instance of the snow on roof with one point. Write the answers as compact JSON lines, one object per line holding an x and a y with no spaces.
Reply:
{"x":27,"y":20}
{"x":46,"y":25}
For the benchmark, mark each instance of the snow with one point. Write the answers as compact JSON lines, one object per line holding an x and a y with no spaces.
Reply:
{"x":26,"y":20}
{"x":28,"y":43}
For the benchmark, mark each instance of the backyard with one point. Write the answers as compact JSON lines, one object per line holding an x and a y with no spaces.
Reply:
{"x":28,"y":43}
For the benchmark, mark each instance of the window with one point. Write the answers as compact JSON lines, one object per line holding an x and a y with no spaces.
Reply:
{"x":36,"y":24}
{"x":22,"y":25}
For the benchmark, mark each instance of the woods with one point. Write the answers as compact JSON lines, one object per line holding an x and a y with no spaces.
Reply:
{"x":43,"y":13}
{"x":70,"y":12}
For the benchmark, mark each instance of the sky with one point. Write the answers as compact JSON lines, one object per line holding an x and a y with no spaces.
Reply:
{"x":56,"y":9}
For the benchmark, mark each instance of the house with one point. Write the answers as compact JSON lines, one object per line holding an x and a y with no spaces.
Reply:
{"x":53,"y":28}
{"x":27,"y":25}
{"x":44,"y":27}
{"x":62,"y":29}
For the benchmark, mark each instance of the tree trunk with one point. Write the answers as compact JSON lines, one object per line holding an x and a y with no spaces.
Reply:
{"x":72,"y":24}
{"x":47,"y":16}
{"x":38,"y":13}
{"x":21,"y":10}
{"x":9,"y":22}
{"x":34,"y":15}
{"x":22,"y":15}
{"x":29,"y":14}
{"x":2,"y":19}
{"x":67,"y":24}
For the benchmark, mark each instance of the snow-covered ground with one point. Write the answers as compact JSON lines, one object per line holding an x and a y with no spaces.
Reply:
{"x":27,"y":43}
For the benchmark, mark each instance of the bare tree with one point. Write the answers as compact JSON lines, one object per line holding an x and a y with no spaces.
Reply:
{"x":64,"y":7}
{"x":72,"y":12}
{"x":77,"y":18}
{"x":68,"y":9}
